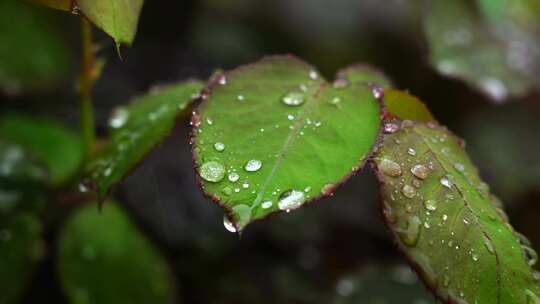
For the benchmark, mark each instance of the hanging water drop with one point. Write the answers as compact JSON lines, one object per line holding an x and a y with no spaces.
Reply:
{"x":212,"y":171}
{"x":228,"y":225}
{"x":253,"y":165}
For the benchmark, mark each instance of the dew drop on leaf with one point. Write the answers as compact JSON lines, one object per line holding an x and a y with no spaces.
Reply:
{"x":430,"y":204}
{"x":219,"y":146}
{"x":233,"y":177}
{"x":390,"y":167}
{"x":212,"y":171}
{"x":408,"y":191}
{"x":253,"y":165}
{"x":118,"y":118}
{"x":445,"y":181}
{"x":390,"y":128}
{"x":410,"y":235}
{"x":291,"y":199}
{"x":293,"y":98}
{"x":266,"y":204}
{"x":420,"y":171}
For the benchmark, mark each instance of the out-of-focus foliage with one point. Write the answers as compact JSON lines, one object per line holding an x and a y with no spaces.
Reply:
{"x":21,"y":248}
{"x":57,"y":147}
{"x":117,"y":18}
{"x":33,"y":55}
{"x":135,"y":130}
{"x":499,"y":55}
{"x":298,"y":137}
{"x":103,"y":258}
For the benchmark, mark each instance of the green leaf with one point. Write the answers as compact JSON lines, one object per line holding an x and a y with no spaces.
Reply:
{"x":274,"y":135}
{"x":60,"y":149}
{"x":32,"y":54}
{"x":21,"y":248}
{"x":135,"y":130}
{"x":500,"y":60}
{"x":117,"y":18}
{"x":405,"y":106}
{"x":365,"y":73}
{"x":103,"y":258}
{"x":448,"y":224}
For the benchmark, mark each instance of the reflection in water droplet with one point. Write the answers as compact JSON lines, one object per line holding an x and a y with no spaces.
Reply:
{"x":293,"y":99}
{"x":253,"y":165}
{"x":212,"y":171}
{"x":233,"y":177}
{"x":219,"y":146}
{"x":390,"y":167}
{"x":291,"y":199}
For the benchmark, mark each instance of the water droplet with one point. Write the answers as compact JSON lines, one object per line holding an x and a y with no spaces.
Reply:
{"x":313,"y":75}
{"x":228,"y":225}
{"x":378,"y":92}
{"x":420,"y":171}
{"x":341,"y":83}
{"x":75,"y":9}
{"x":411,"y":151}
{"x":489,"y":245}
{"x":233,"y":177}
{"x":222,"y":80}
{"x":335,"y":101}
{"x":227,"y":190}
{"x":408,"y":191}
{"x":118,"y":118}
{"x":474,"y":257}
{"x":293,"y":99}
{"x":495,"y":88}
{"x":390,"y":128}
{"x":430,"y":204}
{"x":445,"y":217}
{"x":253,"y":165}
{"x":219,"y":146}
{"x":409,"y":236}
{"x":345,"y":287}
{"x":390,"y":167}
{"x":531,"y":255}
{"x":267,"y":204}
{"x":290,"y":117}
{"x":209,"y":121}
{"x":240,"y":97}
{"x":245,"y":185}
{"x":212,"y":171}
{"x":459,"y":167}
{"x":291,"y":199}
{"x":446,"y":181}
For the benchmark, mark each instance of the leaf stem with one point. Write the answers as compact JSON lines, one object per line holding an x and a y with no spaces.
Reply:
{"x":86,"y":81}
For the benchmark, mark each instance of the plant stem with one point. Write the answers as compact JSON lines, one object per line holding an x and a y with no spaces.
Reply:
{"x":85,"y":87}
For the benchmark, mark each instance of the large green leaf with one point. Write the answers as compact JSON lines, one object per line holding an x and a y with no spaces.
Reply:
{"x":60,"y":149}
{"x":103,"y":258}
{"x":135,"y":130}
{"x":21,"y":248}
{"x":497,"y":58}
{"x":274,"y":135}
{"x":32,"y":53}
{"x":448,"y":224}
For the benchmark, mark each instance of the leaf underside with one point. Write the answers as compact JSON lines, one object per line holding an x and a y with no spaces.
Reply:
{"x":497,"y":58}
{"x":448,"y":224}
{"x":134,"y":131}
{"x":298,"y":152}
{"x":103,"y":258}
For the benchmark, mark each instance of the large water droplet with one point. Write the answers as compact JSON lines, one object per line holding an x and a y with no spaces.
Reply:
{"x":408,"y":191}
{"x":253,"y":165}
{"x":228,"y":225}
{"x":409,"y":236}
{"x":219,"y":146}
{"x":291,"y":199}
{"x":446,"y":181}
{"x":420,"y":171}
{"x":390,"y":167}
{"x":293,"y":99}
{"x":430,"y":204}
{"x":118,"y":118}
{"x":212,"y":171}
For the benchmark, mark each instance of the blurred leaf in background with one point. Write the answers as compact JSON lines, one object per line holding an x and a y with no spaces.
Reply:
{"x":103,"y":258}
{"x":33,"y":54}
{"x":499,"y":55}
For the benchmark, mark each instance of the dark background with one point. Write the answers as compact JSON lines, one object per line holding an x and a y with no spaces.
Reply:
{"x":316,"y":254}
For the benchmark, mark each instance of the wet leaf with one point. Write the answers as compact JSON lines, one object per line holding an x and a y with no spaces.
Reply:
{"x":21,"y":248}
{"x":135,"y":130}
{"x":501,"y":60}
{"x":365,"y":73}
{"x":274,"y":135}
{"x":103,"y":258}
{"x":448,"y":224}
{"x":58,"y":148}
{"x":32,"y":53}
{"x":406,"y":106}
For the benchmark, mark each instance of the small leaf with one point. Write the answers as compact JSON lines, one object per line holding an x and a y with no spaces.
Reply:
{"x":405,"y":106}
{"x":448,"y":224}
{"x":60,"y":150}
{"x":117,"y":18}
{"x":365,"y":73}
{"x":275,"y":135}
{"x":103,"y":258}
{"x":64,"y":5}
{"x":21,"y":248}
{"x":499,"y":59}
{"x":32,"y":53}
{"x":135,"y":130}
